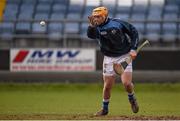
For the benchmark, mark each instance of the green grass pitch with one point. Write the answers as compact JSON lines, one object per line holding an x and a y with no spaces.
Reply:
{"x":80,"y":101}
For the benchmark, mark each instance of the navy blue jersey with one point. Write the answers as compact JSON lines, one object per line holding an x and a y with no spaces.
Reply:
{"x":115,"y":37}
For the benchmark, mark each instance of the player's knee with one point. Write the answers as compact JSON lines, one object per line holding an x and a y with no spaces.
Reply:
{"x":127,"y":84}
{"x":107,"y":86}
{"x":108,"y":82}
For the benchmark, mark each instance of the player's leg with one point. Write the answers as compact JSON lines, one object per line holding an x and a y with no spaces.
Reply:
{"x":126,"y":78}
{"x":108,"y":83}
{"x":109,"y":79}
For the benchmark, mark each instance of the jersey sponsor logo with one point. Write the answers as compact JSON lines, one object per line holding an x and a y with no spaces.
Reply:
{"x":103,"y":32}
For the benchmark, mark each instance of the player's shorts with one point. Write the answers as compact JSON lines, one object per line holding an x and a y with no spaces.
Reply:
{"x":108,"y":64}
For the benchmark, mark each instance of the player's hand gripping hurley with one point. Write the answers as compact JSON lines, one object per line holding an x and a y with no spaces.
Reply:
{"x":119,"y":68}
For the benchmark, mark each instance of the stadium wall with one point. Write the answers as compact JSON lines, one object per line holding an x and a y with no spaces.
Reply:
{"x":4,"y":62}
{"x":159,"y":60}
{"x":150,"y":66}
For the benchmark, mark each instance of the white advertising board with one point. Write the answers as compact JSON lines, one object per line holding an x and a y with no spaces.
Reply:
{"x":62,"y":60}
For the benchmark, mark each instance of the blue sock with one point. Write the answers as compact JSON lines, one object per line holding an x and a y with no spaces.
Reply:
{"x":105,"y":105}
{"x":131,"y":96}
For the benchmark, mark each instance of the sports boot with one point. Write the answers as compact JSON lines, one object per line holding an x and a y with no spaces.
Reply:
{"x":102,"y":112}
{"x":134,"y":104}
